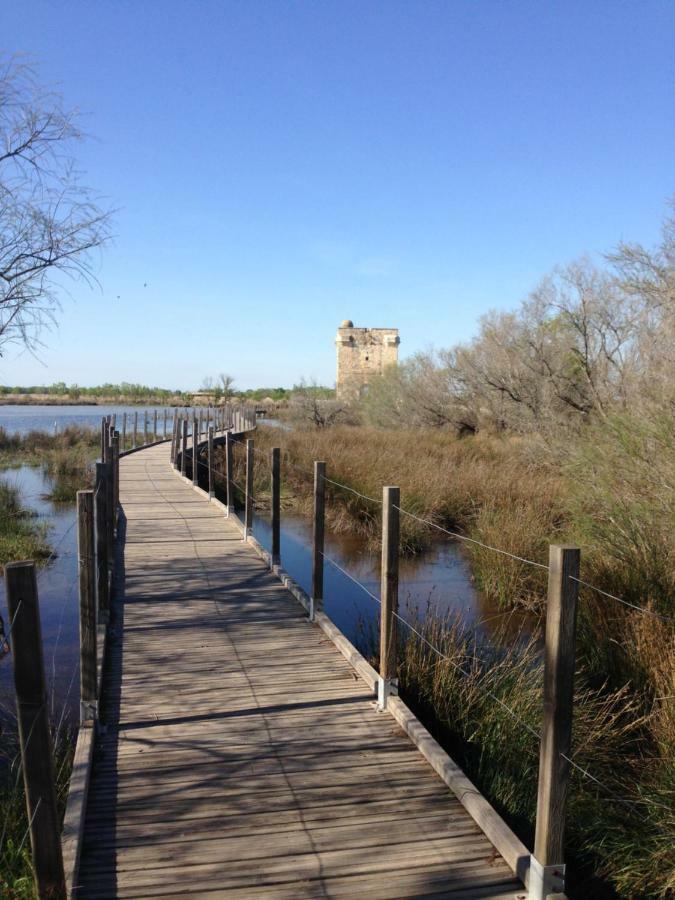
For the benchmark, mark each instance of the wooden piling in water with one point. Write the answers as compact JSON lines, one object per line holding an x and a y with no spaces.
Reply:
{"x":87,"y":597}
{"x":248,"y":500}
{"x":229,"y":473}
{"x":212,"y":490}
{"x":102,"y":578}
{"x":37,"y":760}
{"x":318,"y":536}
{"x":276,"y":505}
{"x":388,"y":682}
{"x":547,"y":869}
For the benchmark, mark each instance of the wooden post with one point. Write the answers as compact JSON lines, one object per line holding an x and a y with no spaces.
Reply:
{"x":248,"y":509}
{"x":276,"y":506}
{"x":201,"y":422}
{"x":87,"y":594}
{"x":228,"y":473}
{"x":115,"y":460}
{"x":102,"y":583}
{"x":547,"y":869}
{"x":124,"y":431}
{"x":154,"y":427}
{"x":318,"y":538}
{"x":104,"y":433}
{"x":36,"y":746}
{"x":212,"y":490}
{"x":195,"y":449}
{"x":172,"y":452}
{"x":145,"y":427}
{"x":110,"y":511}
{"x":166,"y":412}
{"x":388,"y":682}
{"x":184,"y":448}
{"x":135,"y":429}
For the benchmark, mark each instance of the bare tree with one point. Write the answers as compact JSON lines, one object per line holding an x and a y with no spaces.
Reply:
{"x":49,"y":221}
{"x":226,"y":386}
{"x":310,"y":405}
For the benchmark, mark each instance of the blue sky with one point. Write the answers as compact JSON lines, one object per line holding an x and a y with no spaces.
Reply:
{"x":280,"y":166}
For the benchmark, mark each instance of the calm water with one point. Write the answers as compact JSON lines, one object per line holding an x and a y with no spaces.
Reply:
{"x":57,"y":592}
{"x":21,"y":419}
{"x":437,"y":581}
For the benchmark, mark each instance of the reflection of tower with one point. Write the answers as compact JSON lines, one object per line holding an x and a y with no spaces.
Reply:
{"x":363,"y":353}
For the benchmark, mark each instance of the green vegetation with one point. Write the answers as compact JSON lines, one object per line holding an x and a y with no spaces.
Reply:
{"x":22,"y":536}
{"x":16,"y":874}
{"x":67,"y":457}
{"x":628,"y":844}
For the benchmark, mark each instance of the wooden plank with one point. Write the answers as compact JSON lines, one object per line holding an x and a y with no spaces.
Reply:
{"x":76,"y":805}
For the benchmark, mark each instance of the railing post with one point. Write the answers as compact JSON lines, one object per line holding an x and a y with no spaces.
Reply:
{"x":248,"y":508}
{"x":229,"y":473}
{"x":145,"y":427}
{"x":212,"y":490}
{"x":37,"y":758}
{"x":110,"y":511}
{"x":135,"y":429}
{"x":166,"y":412}
{"x":183,"y":462}
{"x":547,"y":868}
{"x":115,"y":460}
{"x":104,"y":434}
{"x":173,"y":442}
{"x":318,"y":537}
{"x":102,"y":583}
{"x":87,"y":596}
{"x":195,"y":449}
{"x":154,"y":426}
{"x":124,"y":431}
{"x":201,"y":422}
{"x":276,"y":506}
{"x":388,"y":681}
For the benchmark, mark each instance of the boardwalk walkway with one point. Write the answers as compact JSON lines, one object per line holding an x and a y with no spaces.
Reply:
{"x":241,"y":755}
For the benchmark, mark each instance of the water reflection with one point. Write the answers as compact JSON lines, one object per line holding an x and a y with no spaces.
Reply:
{"x":57,"y":594}
{"x":437,"y":581}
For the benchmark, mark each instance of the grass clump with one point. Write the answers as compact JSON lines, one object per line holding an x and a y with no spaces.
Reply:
{"x":483,"y":702}
{"x":16,"y":873}
{"x":67,"y":457}
{"x":22,"y":536}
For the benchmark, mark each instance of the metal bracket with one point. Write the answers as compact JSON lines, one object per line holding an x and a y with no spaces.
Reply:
{"x":386,"y":687}
{"x":545,"y":880}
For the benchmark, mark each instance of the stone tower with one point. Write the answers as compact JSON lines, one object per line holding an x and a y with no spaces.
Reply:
{"x":361,"y":354}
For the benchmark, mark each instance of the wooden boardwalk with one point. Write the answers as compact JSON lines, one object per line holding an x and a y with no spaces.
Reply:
{"x":241,"y":755}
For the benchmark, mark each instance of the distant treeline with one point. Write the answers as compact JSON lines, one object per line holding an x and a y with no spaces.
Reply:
{"x":112,"y":391}
{"x":143,"y":393}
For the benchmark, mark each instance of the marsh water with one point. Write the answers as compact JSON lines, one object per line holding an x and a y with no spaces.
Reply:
{"x":17,"y":419}
{"x":437,"y":580}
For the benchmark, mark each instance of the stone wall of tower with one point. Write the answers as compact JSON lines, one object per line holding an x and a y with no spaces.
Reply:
{"x":363,"y":353}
